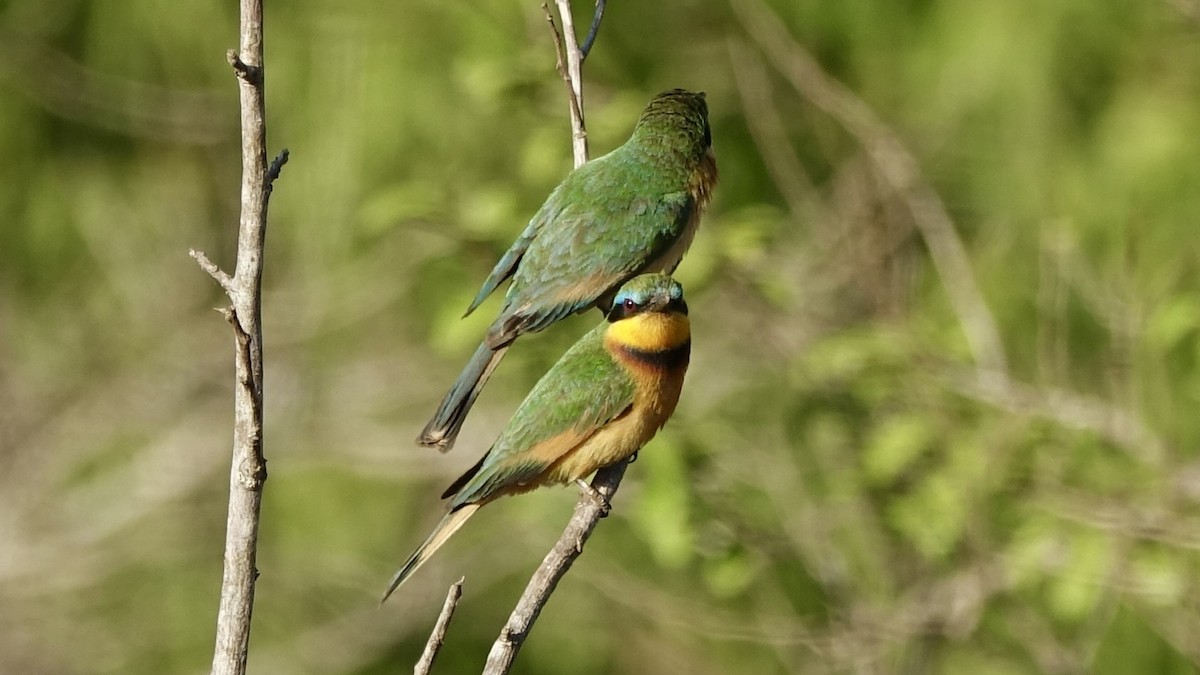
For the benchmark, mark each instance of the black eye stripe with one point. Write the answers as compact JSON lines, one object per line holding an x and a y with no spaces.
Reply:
{"x":622,"y":310}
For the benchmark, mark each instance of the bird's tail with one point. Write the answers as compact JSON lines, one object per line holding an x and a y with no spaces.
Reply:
{"x":441,"y":431}
{"x":445,"y":528}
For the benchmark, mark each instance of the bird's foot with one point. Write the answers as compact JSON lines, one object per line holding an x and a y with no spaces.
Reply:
{"x":593,"y":494}
{"x":633,"y":457}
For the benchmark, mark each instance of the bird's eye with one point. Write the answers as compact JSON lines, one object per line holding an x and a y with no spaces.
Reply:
{"x":629,"y":305}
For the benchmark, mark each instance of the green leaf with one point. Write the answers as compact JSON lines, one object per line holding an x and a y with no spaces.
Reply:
{"x":894,"y":445}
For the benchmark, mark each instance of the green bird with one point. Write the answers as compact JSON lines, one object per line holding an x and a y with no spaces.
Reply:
{"x":631,"y":211}
{"x":599,"y":404}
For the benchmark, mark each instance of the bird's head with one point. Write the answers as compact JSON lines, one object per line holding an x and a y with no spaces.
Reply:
{"x":649,"y":317}
{"x":679,"y":119}
{"x":648,"y":293}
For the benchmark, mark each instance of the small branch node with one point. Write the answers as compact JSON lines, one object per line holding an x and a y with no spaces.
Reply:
{"x":276,"y":166}
{"x":223,"y":280}
{"x":247,"y":73}
{"x":253,"y":476}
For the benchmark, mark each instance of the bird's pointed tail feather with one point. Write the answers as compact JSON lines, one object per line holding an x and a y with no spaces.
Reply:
{"x":442,"y":430}
{"x":444,"y":530}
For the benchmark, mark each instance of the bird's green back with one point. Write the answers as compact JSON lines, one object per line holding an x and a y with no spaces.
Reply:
{"x":609,"y":218}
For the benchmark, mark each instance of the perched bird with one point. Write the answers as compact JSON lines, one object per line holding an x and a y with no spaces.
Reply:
{"x":631,"y":211}
{"x":604,"y":399}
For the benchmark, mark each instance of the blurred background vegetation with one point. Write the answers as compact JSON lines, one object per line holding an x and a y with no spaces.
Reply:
{"x":942,"y":412}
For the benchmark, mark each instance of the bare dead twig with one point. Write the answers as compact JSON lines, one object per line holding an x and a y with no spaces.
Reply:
{"x":248,"y":471}
{"x":438,"y":636}
{"x":567,"y":50}
{"x":578,"y":149}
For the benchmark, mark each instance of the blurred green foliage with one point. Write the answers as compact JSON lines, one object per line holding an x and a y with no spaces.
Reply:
{"x":843,"y":489}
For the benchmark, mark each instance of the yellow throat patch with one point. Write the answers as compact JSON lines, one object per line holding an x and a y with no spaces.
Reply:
{"x":650,"y":332}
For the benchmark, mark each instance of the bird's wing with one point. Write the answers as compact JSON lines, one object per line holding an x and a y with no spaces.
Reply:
{"x":577,"y":397}
{"x":599,"y":238}
{"x":509,"y":262}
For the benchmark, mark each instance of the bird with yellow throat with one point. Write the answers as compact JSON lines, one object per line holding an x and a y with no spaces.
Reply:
{"x":599,"y":404}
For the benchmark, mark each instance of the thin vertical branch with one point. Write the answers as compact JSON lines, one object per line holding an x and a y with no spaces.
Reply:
{"x":248,"y":470}
{"x":590,"y":509}
{"x":579,"y":150}
{"x":574,"y":76}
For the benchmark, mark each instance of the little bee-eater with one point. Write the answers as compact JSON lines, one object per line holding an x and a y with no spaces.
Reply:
{"x":631,"y":211}
{"x":604,"y":399}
